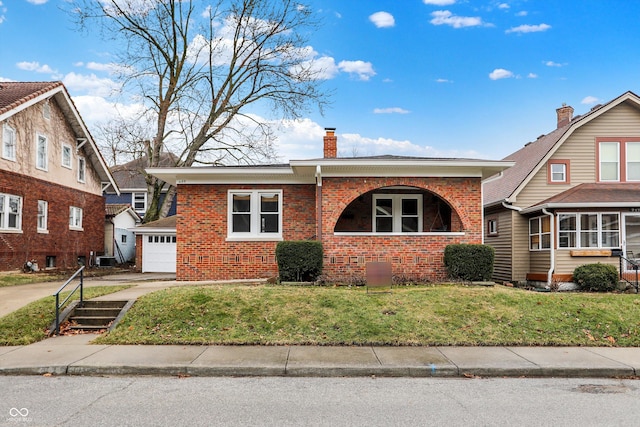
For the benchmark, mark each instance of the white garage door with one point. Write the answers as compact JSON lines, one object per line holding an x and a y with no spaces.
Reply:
{"x":158,"y":253}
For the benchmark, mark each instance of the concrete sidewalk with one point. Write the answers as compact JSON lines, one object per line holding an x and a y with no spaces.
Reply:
{"x":73,"y":355}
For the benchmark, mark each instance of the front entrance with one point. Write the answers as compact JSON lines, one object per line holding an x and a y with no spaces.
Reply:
{"x":631,"y":238}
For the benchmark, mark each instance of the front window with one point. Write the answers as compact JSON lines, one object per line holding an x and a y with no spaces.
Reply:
{"x":589,"y":230}
{"x":139,"y":202}
{"x":8,"y":142}
{"x":397,"y":213}
{"x":43,"y":208}
{"x":255,"y":214}
{"x":633,"y":161}
{"x":41,"y":152}
{"x":75,"y":218}
{"x":540,"y":233}
{"x":81,"y":169}
{"x":10,"y":212}
{"x":66,"y":156}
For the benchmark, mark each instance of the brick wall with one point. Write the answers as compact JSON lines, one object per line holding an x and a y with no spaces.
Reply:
{"x":66,"y":245}
{"x":417,"y":257}
{"x":204,"y":253}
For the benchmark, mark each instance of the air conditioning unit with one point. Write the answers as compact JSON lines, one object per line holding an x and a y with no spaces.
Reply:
{"x":105,"y":261}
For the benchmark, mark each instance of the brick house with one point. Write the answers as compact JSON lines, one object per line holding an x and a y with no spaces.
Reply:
{"x":572,"y":197}
{"x":51,"y":180}
{"x":403,"y":210}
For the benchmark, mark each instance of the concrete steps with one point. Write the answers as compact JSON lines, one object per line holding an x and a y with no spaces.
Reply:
{"x":95,"y":315}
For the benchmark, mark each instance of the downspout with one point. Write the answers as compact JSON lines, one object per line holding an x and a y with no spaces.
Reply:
{"x":552,"y":258}
{"x":319,"y":203}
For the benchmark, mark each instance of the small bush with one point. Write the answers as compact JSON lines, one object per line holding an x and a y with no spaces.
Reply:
{"x":299,"y":261}
{"x":469,"y":262}
{"x":596,"y":277}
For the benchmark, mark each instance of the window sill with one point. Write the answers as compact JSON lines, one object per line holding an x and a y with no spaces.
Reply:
{"x":76,"y":228}
{"x":277,"y":238}
{"x":424,"y":233}
{"x":7,"y":231}
{"x":43,"y":231}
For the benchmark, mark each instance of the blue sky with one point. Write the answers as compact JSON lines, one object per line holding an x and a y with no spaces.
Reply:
{"x":436,"y":78}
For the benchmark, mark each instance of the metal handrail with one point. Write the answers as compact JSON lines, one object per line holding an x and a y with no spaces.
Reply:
{"x":57,"y":295}
{"x":635,"y":267}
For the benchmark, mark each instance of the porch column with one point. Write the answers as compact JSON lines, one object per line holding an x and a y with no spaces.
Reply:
{"x":319,"y":203}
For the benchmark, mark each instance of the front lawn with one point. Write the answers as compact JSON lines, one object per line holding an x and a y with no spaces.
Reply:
{"x":417,"y":315}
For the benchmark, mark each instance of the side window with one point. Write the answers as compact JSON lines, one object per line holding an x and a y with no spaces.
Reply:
{"x":75,"y":218}
{"x":66,"y":156}
{"x":43,"y":208}
{"x":10,"y":212}
{"x":8,"y":142}
{"x":41,"y":152}
{"x":81,"y":169}
{"x":255,"y":214}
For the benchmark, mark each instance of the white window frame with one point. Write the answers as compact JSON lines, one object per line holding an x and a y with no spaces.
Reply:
{"x":396,"y":214}
{"x":562,"y":172}
{"x":82,"y":169}
{"x":254,"y":212}
{"x":134,"y":200}
{"x":600,"y":160}
{"x":492,"y":227}
{"x":75,"y":218}
{"x":597,"y":235}
{"x":636,"y":161}
{"x":67,"y":156}
{"x":46,"y":110}
{"x":44,"y":155}
{"x":6,"y":215}
{"x":8,"y":143}
{"x":542,"y":244}
{"x":43,"y":216}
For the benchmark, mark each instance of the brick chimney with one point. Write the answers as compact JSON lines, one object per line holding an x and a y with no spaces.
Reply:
{"x":565,"y":114}
{"x":330,"y":144}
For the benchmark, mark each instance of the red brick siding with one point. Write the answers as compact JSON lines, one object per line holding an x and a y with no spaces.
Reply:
{"x":204,"y":253}
{"x":420,"y":257}
{"x":202,"y":250}
{"x":66,"y":245}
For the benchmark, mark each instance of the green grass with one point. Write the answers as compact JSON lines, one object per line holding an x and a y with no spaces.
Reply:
{"x":420,"y":315}
{"x":29,"y":324}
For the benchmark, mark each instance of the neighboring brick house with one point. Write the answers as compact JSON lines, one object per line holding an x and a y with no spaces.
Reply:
{"x":133,"y":187}
{"x":51,"y":180}
{"x":572,"y":198}
{"x":403,"y":210}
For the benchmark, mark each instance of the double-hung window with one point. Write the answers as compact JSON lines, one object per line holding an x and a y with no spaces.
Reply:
{"x":255,"y":214}
{"x":139,"y":202}
{"x":632,"y":159}
{"x":66,"y":156}
{"x":82,"y":165}
{"x":41,"y":152}
{"x":589,"y":230}
{"x":75,"y":218}
{"x":8,"y":142}
{"x":397,"y":213}
{"x":10,"y":212}
{"x":539,"y":233}
{"x":43,"y":208}
{"x":618,"y":159}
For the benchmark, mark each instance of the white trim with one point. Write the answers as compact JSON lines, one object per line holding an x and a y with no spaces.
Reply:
{"x":598,"y":230}
{"x":254,"y":215}
{"x":73,"y":215}
{"x":396,"y":211}
{"x":424,"y":233}
{"x":40,"y":136}
{"x":44,"y":229}
{"x":12,"y":131}
{"x":82,"y":170}
{"x":70,"y":165}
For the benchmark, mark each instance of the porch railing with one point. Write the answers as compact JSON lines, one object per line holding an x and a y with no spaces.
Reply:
{"x":61,"y":304}
{"x":629,"y":268}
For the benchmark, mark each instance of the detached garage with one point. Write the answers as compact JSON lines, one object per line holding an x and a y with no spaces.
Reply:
{"x":156,"y":246}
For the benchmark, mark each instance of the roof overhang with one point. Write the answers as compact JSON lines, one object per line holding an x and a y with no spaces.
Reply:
{"x":305,"y":171}
{"x":590,"y":206}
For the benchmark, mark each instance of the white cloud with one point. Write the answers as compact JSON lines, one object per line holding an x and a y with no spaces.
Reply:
{"x":590,"y":100}
{"x":444,"y":81}
{"x":439,"y":2}
{"x":522,"y":13}
{"x":382,"y":19}
{"x":500,"y":73}
{"x":553,"y":64}
{"x":532,"y":76}
{"x":34,"y":66}
{"x":3,"y":10}
{"x":37,"y":2}
{"x":528,"y":28}
{"x":97,"y":109}
{"x":445,"y":17}
{"x":503,"y":6}
{"x":364,"y":70}
{"x":90,"y":84}
{"x":390,"y":110}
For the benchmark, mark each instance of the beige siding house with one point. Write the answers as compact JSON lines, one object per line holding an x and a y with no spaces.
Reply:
{"x":572,"y":198}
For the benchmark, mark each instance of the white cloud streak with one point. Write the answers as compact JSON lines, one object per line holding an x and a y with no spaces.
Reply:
{"x":500,"y":73}
{"x":364,"y":70}
{"x":391,"y":110}
{"x":382,"y":19}
{"x":529,"y":29}
{"x":445,"y":17}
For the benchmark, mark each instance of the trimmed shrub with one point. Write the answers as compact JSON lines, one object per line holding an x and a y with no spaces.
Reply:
{"x":469,"y":262}
{"x":299,"y":261}
{"x":596,"y":277}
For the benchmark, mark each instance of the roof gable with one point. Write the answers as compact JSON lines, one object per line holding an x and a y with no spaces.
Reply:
{"x":533,"y":156}
{"x":18,"y":96}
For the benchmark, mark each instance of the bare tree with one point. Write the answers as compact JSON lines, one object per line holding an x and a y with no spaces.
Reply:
{"x":198,"y":68}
